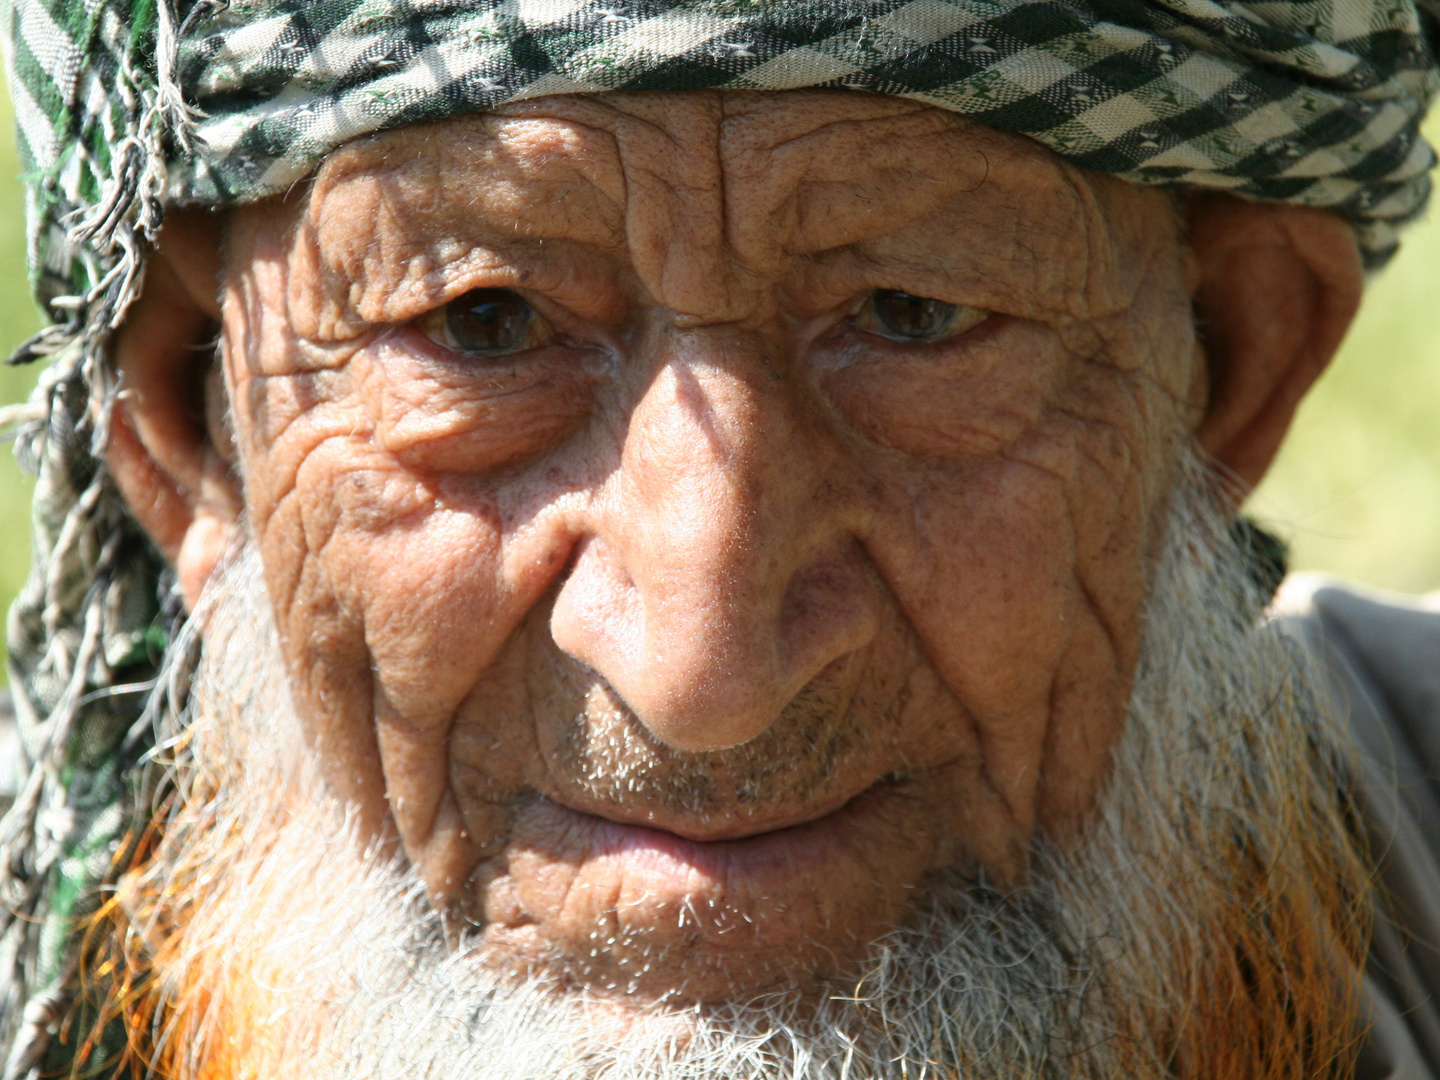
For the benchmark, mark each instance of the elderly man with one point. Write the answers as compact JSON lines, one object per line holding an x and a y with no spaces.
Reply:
{"x":705,"y":547}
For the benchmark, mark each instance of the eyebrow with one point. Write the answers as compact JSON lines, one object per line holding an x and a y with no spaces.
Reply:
{"x":543,"y":222}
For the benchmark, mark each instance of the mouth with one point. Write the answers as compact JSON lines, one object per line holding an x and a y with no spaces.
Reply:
{"x":744,"y":823}
{"x":689,"y":853}
{"x":613,"y":898}
{"x":677,"y":854}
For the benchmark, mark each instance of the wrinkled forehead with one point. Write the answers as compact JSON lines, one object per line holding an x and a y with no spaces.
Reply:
{"x":694,"y":188}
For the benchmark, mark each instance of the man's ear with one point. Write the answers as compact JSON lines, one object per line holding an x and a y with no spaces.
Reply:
{"x":1275,"y":288}
{"x":170,"y":449}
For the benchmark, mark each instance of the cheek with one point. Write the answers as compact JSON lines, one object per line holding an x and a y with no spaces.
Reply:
{"x":404,"y":579}
{"x":1022,"y":571}
{"x":982,"y":580}
{"x":428,"y":591}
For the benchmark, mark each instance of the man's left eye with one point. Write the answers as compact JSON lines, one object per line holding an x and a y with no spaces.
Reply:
{"x":486,"y":322}
{"x":905,"y":317}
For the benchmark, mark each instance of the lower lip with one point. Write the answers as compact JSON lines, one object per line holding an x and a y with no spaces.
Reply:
{"x":798,"y":867}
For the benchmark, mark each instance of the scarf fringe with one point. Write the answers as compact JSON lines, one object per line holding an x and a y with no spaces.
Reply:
{"x":81,"y":535}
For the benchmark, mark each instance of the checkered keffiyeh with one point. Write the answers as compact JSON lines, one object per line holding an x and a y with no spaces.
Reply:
{"x":127,"y":106}
{"x":1313,"y":102}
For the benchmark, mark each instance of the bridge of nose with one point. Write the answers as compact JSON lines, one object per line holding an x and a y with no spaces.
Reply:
{"x":683,"y":596}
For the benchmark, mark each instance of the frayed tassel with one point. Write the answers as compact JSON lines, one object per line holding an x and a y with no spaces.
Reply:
{"x":74,"y":406}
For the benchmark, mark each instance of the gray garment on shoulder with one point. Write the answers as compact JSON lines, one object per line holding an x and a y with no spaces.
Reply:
{"x":1382,"y":656}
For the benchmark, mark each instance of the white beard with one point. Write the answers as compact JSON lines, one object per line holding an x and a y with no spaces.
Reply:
{"x":1081,"y":974}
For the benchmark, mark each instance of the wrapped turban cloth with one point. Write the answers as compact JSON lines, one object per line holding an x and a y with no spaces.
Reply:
{"x":126,"y":107}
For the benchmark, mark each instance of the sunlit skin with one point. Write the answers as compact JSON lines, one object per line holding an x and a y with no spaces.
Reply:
{"x":682,"y":638}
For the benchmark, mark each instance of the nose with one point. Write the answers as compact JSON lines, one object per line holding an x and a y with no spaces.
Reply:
{"x":718,"y":574}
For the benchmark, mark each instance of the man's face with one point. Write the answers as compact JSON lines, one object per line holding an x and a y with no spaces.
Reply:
{"x":697,"y":522}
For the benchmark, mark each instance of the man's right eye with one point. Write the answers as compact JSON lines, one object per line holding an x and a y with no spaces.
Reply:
{"x":486,"y":322}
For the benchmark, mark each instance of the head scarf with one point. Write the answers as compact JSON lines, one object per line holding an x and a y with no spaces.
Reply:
{"x":125,"y":107}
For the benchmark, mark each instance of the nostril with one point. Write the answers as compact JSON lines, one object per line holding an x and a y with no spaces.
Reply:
{"x":830,"y":609}
{"x":596,"y":618}
{"x":572,"y":558}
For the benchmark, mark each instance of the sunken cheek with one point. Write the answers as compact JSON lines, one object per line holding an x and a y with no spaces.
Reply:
{"x":383,"y":522}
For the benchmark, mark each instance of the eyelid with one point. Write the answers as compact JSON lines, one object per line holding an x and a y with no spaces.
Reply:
{"x":966,"y":317}
{"x":570,"y":293}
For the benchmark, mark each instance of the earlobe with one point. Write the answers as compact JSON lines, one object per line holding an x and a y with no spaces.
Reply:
{"x":1275,"y":290}
{"x":163,"y":452}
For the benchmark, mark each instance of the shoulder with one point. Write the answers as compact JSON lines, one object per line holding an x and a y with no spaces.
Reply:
{"x":1379,"y":654}
{"x":1390,"y":640}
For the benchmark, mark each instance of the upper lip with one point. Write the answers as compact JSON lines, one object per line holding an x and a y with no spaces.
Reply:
{"x":716,"y":828}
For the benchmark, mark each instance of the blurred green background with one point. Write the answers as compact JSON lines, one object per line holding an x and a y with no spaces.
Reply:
{"x":1356,"y":490}
{"x":18,"y":320}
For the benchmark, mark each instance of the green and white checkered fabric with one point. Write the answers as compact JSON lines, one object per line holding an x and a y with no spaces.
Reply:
{"x":1314,"y":102}
{"x":127,"y":106}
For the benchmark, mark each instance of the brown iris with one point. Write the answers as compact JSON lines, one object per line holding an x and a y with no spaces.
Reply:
{"x":486,"y":322}
{"x":907,"y":317}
